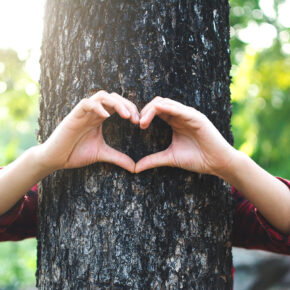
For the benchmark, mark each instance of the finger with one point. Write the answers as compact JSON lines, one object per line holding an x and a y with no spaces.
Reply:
{"x":168,"y":108}
{"x":159,"y":159}
{"x":87,"y":105}
{"x":101,"y":111}
{"x":117,"y":105}
{"x":133,"y":110}
{"x":180,"y":111}
{"x":90,"y":106}
{"x":150,"y":105}
{"x":99,"y":97}
{"x":150,"y":111}
{"x":164,"y":108}
{"x":171,"y":107}
{"x":118,"y":158}
{"x":148,"y":117}
{"x":175,"y":110}
{"x":131,"y":107}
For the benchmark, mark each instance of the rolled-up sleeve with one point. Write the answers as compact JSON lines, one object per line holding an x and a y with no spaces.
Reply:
{"x":251,"y":230}
{"x":20,"y":222}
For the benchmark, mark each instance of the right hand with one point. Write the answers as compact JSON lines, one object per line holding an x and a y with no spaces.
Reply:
{"x":196,"y":143}
{"x":78,"y":140}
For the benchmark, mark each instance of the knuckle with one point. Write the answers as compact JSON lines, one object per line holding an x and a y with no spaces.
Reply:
{"x":167,"y":101}
{"x":158,"y":98}
{"x":118,"y":106}
{"x":202,"y":118}
{"x":83,"y":102}
{"x":130,"y":104}
{"x":115,"y":95}
{"x":155,"y":108}
{"x":100,"y":94}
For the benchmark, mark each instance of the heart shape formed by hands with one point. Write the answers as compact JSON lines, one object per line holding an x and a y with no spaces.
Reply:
{"x":196,"y":144}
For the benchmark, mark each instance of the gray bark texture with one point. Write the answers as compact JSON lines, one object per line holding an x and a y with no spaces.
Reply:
{"x":101,"y":227}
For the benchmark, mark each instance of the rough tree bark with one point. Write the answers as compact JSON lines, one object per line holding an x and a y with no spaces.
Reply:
{"x":101,"y":227}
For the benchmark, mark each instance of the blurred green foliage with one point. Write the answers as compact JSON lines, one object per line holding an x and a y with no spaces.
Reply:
{"x":261,"y":86}
{"x":18,"y":107}
{"x":18,"y":264}
{"x":260,"y":122}
{"x":18,"y":123}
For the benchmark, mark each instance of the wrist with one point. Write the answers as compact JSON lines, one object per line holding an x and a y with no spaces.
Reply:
{"x":236,"y":162}
{"x":37,"y":159}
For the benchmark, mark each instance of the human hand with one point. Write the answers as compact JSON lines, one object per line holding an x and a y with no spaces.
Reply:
{"x":78,"y":140}
{"x":196,"y":144}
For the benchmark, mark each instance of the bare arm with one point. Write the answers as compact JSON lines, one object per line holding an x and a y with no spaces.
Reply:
{"x":269,"y":195}
{"x":76,"y":142}
{"x":198,"y":146}
{"x":19,"y":176}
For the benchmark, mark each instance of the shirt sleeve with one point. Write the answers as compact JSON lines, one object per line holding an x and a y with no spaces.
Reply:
{"x":20,"y":222}
{"x":252,"y":231}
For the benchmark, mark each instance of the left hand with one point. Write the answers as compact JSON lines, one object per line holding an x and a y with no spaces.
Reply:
{"x":78,"y":140}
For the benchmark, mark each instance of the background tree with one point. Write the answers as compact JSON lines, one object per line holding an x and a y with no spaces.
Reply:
{"x":101,"y":226}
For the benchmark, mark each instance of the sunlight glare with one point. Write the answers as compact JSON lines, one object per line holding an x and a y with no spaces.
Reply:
{"x":21,"y":25}
{"x":258,"y":36}
{"x":283,"y":14}
{"x":268,"y":8}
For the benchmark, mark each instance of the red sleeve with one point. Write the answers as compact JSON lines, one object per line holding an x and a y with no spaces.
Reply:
{"x":252,"y":231}
{"x":20,"y":221}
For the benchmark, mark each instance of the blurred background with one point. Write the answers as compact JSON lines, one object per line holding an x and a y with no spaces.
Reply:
{"x":260,"y":49}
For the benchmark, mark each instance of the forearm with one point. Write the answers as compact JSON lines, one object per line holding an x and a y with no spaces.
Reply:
{"x":19,"y":176}
{"x":269,"y":195}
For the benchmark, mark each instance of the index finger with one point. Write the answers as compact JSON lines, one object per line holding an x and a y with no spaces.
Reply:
{"x":164,"y":108}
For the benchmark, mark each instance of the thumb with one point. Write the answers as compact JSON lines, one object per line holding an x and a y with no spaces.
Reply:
{"x":111,"y":155}
{"x":159,"y":159}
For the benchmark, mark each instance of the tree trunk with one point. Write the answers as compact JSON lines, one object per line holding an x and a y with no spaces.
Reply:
{"x":101,"y":227}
